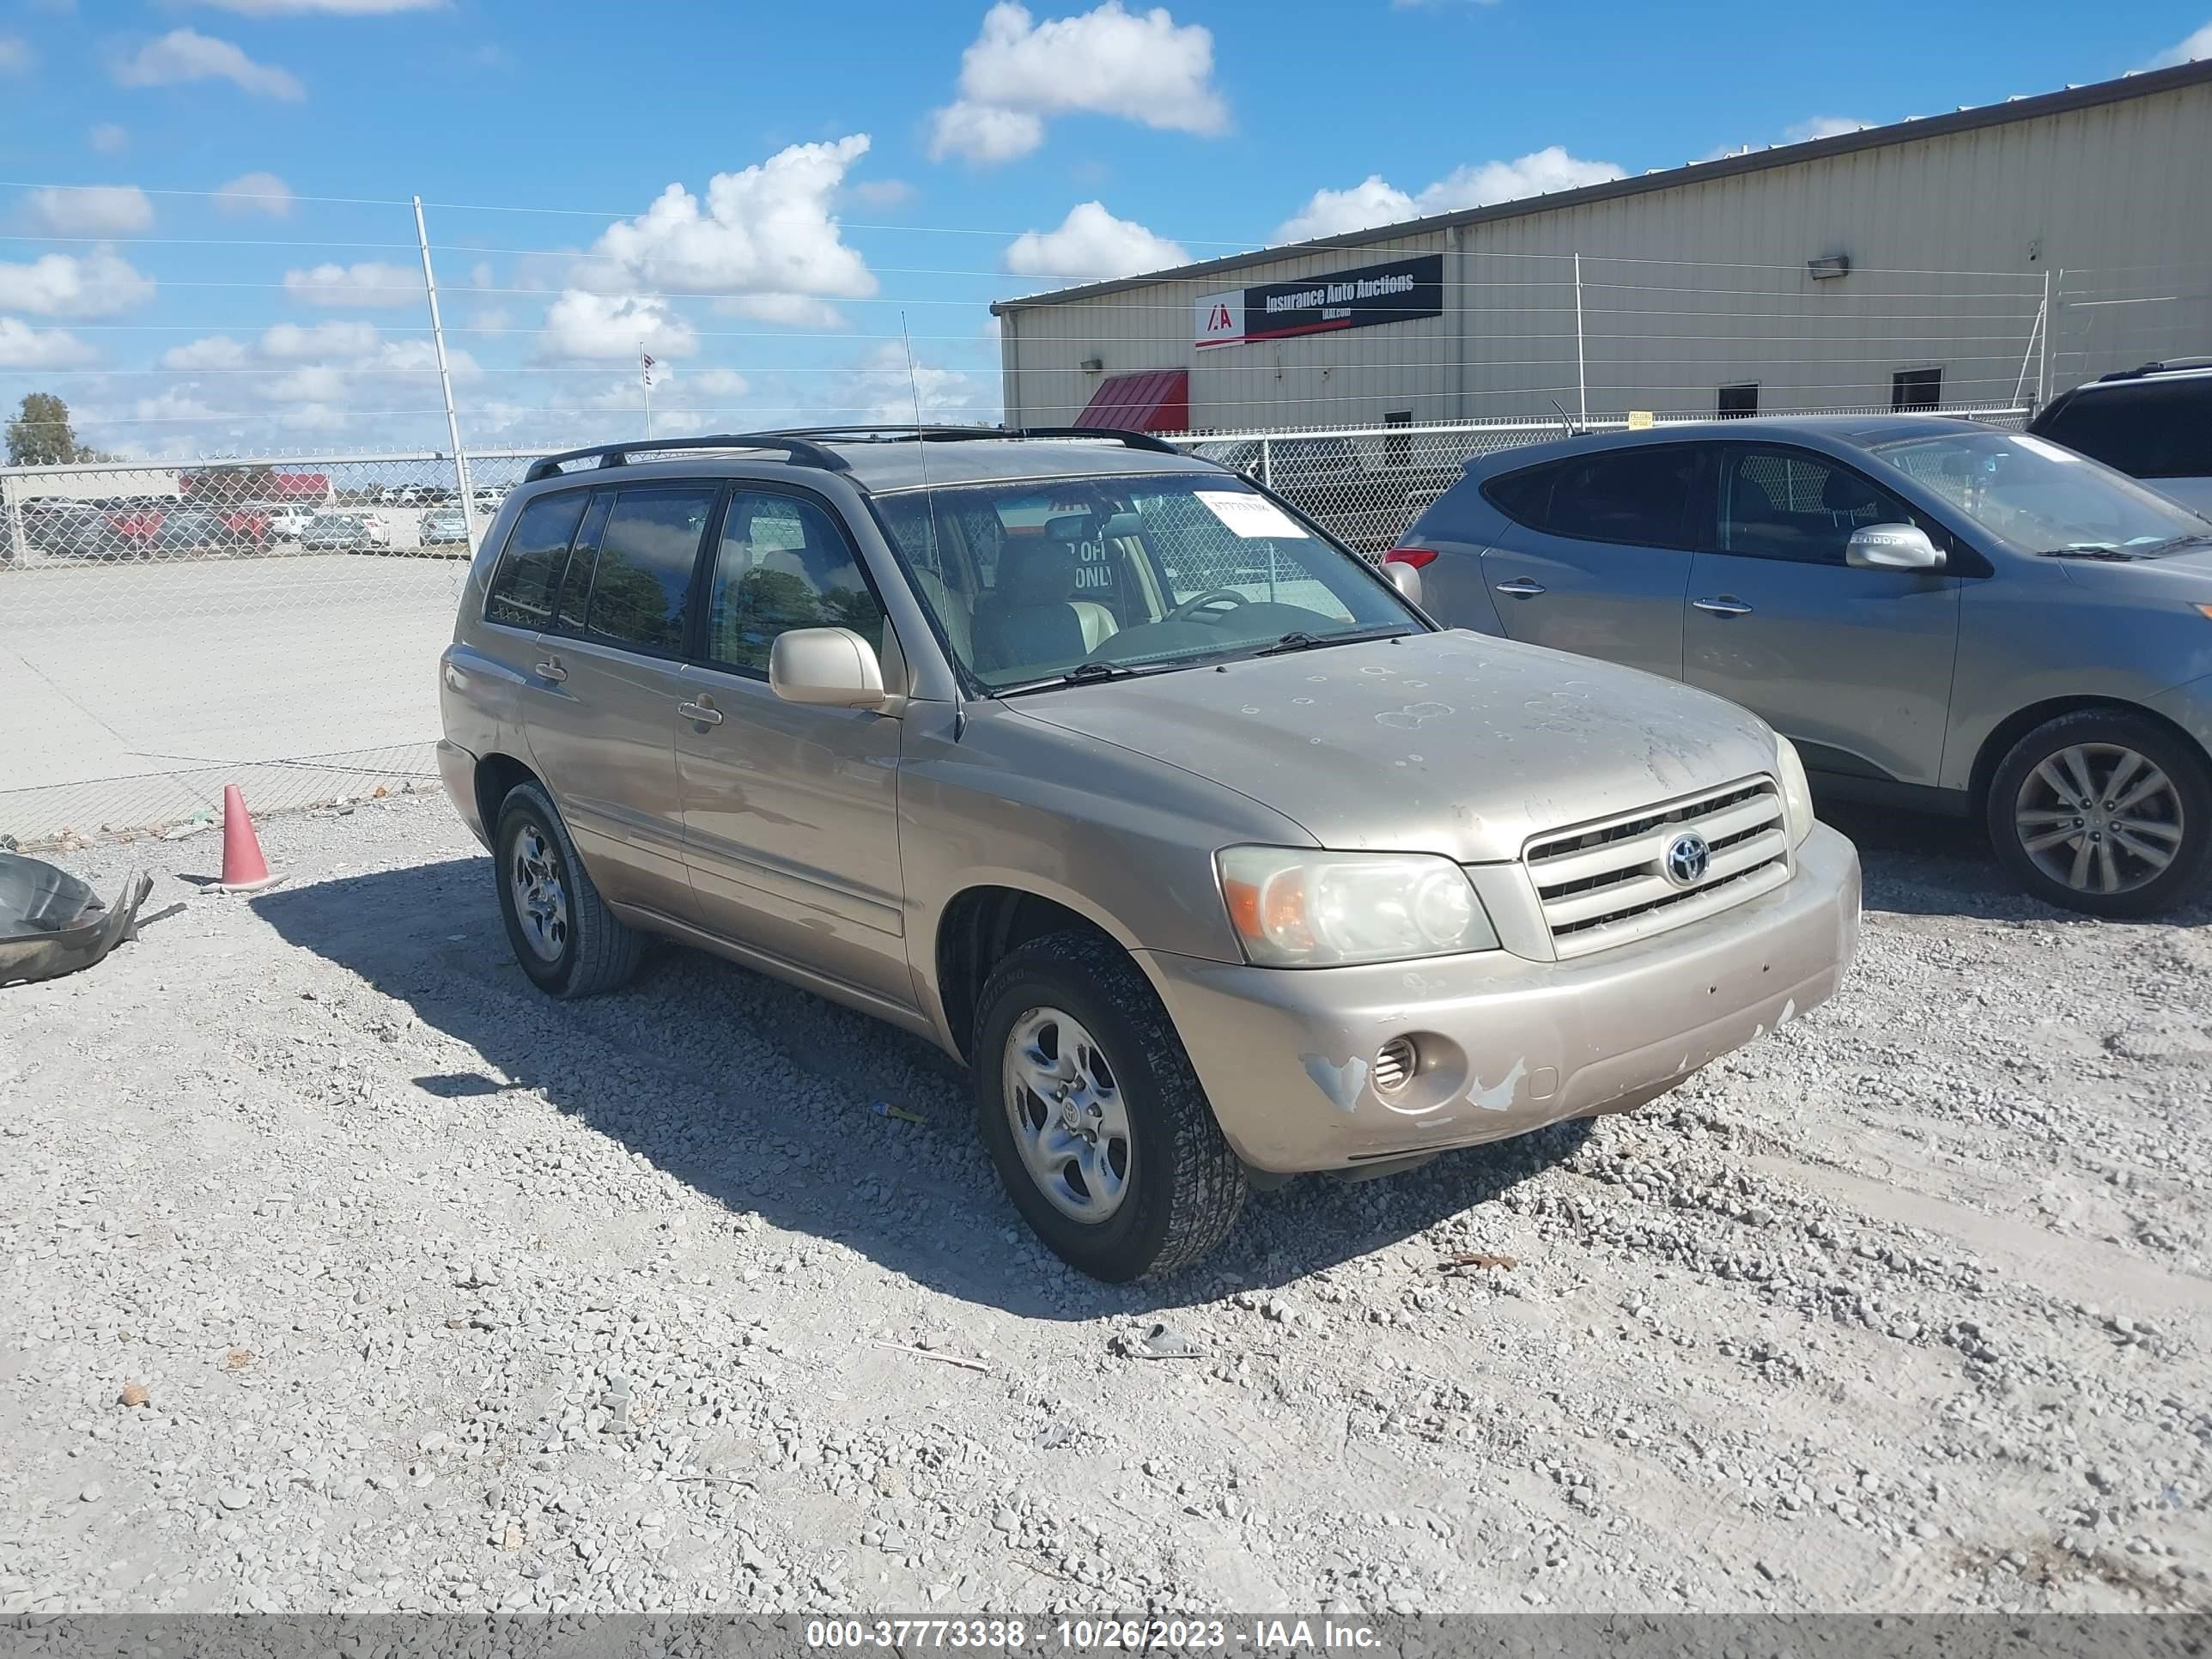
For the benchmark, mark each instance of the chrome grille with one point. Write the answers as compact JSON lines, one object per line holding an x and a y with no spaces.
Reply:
{"x":1606,"y":884}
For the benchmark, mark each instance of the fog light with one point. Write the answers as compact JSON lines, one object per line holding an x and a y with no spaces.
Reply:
{"x":1394,"y":1064}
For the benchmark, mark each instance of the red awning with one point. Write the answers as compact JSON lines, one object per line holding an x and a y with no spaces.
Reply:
{"x":1151,"y":400}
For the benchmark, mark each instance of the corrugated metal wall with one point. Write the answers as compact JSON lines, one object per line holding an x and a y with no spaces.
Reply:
{"x":1702,"y":285}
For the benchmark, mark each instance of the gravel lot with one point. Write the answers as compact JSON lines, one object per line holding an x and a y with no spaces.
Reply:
{"x":339,"y":1270}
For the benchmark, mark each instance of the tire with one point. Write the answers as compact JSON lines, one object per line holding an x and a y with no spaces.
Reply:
{"x":574,"y":946}
{"x":2111,"y":868}
{"x":1180,"y":1186}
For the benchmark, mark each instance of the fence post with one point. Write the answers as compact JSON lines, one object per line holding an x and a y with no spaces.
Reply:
{"x":1582,"y":362}
{"x":2043,"y":364}
{"x":18,"y":547}
{"x":1267,"y":462}
{"x":446,"y":383}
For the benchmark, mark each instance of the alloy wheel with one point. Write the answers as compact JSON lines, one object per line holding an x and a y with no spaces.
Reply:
{"x":541,"y":897}
{"x":1070,"y":1122}
{"x":2099,"y":817}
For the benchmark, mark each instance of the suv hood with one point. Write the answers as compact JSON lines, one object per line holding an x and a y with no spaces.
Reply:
{"x":1452,"y":742}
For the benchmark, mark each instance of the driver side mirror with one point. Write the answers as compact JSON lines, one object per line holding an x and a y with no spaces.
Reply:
{"x":1892,"y":547}
{"x":831,"y":666}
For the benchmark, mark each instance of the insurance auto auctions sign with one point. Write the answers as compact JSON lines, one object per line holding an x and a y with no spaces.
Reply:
{"x":1397,"y":292}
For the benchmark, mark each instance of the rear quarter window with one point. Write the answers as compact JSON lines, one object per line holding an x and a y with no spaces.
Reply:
{"x":529,"y":570}
{"x":1524,"y":496}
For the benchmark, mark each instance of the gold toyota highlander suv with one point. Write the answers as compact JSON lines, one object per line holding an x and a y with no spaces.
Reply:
{"x":1213,"y":858}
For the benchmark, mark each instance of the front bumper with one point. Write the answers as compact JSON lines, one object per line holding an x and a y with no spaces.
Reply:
{"x":1508,"y":1045}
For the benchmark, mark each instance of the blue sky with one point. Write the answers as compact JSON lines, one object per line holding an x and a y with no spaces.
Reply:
{"x":877,"y":160}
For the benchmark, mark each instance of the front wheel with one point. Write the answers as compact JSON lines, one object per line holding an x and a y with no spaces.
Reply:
{"x":1089,"y":1108}
{"x":2105,"y":812}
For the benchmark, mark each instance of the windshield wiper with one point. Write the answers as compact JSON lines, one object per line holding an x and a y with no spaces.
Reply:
{"x":1084,"y":673}
{"x":1299,"y":640}
{"x":2175,"y":544}
{"x":2103,"y":551}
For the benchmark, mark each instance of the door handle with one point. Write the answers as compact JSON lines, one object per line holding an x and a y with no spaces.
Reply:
{"x":1520,"y":588}
{"x":705,"y":712}
{"x":1724,"y":606}
{"x":550,"y":669}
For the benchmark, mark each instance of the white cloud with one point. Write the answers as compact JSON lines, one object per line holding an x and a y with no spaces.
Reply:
{"x":1820,"y":126}
{"x":1140,"y":66}
{"x":95,"y":284}
{"x":880,"y":390}
{"x":331,"y":7}
{"x":91,"y":209}
{"x":173,"y":406}
{"x":211,"y":351}
{"x":108,"y":139}
{"x":368,"y":283}
{"x":22,"y":346}
{"x":881,"y":192}
{"x":254,"y":192}
{"x":492,"y":320}
{"x":184,"y":55}
{"x":765,"y":230}
{"x":983,"y":134}
{"x":716,"y":383}
{"x":2196,"y":45}
{"x":585,"y":326}
{"x":1091,"y":242}
{"x":16,"y":56}
{"x":790,"y":310}
{"x":290,"y":342}
{"x":1374,"y":200}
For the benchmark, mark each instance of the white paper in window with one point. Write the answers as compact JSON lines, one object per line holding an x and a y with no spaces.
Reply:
{"x":1249,"y":516}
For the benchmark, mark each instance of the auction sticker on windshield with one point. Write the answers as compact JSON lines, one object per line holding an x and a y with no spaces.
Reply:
{"x":1249,"y":516}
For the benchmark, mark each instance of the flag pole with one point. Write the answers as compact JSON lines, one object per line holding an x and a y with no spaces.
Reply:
{"x":645,"y":380}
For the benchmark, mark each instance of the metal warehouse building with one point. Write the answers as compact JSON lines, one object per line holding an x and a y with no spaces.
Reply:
{"x":1985,"y":257}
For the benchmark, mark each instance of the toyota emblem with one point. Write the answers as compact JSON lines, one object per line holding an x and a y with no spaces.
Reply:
{"x":1687,"y":859}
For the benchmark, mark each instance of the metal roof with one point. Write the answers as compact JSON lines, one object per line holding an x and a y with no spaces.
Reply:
{"x":1911,"y":131}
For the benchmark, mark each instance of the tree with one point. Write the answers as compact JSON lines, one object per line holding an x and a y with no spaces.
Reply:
{"x":41,"y":434}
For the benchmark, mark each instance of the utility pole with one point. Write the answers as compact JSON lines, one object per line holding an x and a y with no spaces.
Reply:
{"x":1582,"y":360}
{"x":445,"y":382}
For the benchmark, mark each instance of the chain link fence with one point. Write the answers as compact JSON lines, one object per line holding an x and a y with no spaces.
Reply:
{"x":166,"y":629}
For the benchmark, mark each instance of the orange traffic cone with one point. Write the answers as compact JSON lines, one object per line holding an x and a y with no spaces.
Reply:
{"x":244,"y":869}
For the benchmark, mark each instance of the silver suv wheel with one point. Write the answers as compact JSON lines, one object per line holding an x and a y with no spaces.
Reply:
{"x":1066,"y":1112}
{"x":2099,"y":817}
{"x":541,"y":899}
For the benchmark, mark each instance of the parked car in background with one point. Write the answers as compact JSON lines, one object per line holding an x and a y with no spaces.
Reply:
{"x":1207,"y":851}
{"x":490,"y":498}
{"x":76,"y":529}
{"x":1941,"y":617}
{"x":444,"y":526}
{"x":2153,"y":423}
{"x":1325,"y":478}
{"x":289,"y":522}
{"x":190,"y":529}
{"x":338,"y":532}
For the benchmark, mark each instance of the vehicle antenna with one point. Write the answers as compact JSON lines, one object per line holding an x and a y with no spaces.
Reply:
{"x":1565,"y":424}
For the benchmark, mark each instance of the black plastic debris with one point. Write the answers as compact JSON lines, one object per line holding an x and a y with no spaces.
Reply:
{"x":51,"y":923}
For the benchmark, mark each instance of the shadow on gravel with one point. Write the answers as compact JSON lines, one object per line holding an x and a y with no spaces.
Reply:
{"x":760,"y":1096}
{"x":1916,"y":863}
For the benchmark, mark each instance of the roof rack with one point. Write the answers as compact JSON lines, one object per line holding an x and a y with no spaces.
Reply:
{"x":891,"y":433}
{"x":2167,"y":366}
{"x":793,"y":445}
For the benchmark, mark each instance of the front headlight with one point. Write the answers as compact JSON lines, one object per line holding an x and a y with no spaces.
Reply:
{"x":1797,"y":791}
{"x":1297,"y":907}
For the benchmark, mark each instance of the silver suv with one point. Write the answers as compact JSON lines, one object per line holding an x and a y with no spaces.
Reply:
{"x":1331,"y":888}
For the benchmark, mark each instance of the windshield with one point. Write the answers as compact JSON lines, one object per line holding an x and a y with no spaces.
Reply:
{"x":1029,"y":582}
{"x":2042,"y":498}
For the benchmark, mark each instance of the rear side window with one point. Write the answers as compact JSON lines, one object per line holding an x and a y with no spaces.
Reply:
{"x":641,"y":588}
{"x":530,"y":565}
{"x":2154,"y":430}
{"x":1639,"y":496}
{"x":1524,"y":496}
